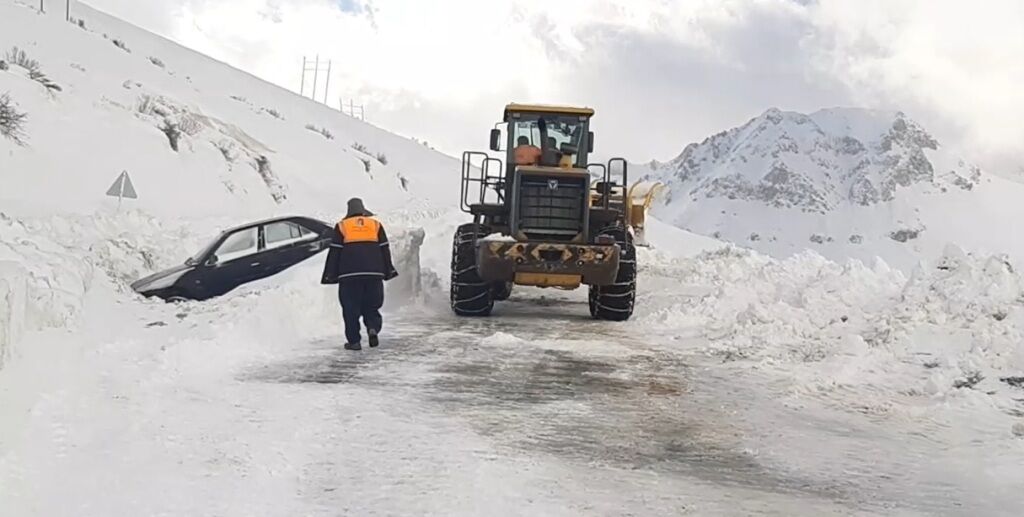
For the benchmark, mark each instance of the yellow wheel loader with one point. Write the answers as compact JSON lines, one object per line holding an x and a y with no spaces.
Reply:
{"x":544,"y":216}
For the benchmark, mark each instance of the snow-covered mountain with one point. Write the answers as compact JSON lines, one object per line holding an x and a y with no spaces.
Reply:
{"x":845,"y":182}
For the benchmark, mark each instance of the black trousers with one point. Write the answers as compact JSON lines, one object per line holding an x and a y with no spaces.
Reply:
{"x":361,"y":297}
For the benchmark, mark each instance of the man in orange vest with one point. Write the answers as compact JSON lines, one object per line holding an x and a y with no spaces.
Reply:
{"x":524,"y":153}
{"x":359,"y":261}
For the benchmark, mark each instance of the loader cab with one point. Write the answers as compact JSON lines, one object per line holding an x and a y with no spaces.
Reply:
{"x":561,"y":133}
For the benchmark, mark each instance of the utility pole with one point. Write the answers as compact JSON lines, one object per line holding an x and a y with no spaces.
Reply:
{"x":41,"y":8}
{"x":327,"y":88}
{"x":316,"y":69}
{"x":67,"y":11}
{"x":351,"y":111}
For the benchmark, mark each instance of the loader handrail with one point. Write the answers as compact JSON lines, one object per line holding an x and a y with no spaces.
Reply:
{"x":484,"y":180}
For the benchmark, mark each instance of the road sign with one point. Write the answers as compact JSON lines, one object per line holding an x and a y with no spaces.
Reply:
{"x":122,"y":188}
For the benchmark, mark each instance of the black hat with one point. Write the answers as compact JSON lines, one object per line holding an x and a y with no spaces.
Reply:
{"x":356,"y":208}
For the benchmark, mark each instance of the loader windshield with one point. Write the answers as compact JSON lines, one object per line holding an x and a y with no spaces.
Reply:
{"x":555,"y":135}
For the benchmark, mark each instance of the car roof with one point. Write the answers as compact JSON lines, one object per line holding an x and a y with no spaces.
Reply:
{"x":273,"y":220}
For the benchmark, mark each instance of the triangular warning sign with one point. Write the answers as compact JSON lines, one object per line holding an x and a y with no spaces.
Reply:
{"x":123,"y":187}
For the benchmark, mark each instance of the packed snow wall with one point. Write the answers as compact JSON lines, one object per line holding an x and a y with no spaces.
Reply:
{"x":49,"y":266}
{"x":13,"y":284}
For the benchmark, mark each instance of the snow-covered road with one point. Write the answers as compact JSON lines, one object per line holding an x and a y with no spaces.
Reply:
{"x":249,"y":406}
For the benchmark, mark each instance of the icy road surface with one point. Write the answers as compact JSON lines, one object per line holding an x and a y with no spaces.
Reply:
{"x":247,"y":406}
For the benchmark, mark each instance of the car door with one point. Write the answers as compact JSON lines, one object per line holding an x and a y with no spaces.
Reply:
{"x":234,"y":262}
{"x":288,"y":243}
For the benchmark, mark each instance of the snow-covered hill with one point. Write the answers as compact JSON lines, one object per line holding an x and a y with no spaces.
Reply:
{"x":206,"y":146}
{"x":848,"y":183}
{"x":243,"y":145}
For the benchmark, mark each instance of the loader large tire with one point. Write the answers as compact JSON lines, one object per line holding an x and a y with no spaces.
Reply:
{"x":470,"y":295}
{"x":615,"y":302}
{"x":501,"y":291}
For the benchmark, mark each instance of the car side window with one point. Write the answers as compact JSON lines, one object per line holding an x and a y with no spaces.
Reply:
{"x":239,"y":244}
{"x":284,"y":233}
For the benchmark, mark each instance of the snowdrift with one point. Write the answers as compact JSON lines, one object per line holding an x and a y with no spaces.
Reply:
{"x":50,"y":265}
{"x":954,"y":326}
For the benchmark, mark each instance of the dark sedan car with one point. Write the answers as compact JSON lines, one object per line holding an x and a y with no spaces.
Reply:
{"x":237,"y":256}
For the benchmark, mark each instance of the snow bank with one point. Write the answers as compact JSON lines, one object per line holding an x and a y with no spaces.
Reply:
{"x":953,"y":324}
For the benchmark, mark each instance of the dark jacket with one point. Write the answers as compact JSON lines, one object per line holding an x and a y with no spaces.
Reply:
{"x":363,"y":253}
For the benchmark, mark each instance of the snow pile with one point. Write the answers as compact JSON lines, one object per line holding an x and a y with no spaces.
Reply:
{"x":768,"y":310}
{"x":951,"y":325}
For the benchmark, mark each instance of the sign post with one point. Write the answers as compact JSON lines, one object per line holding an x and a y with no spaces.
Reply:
{"x":122,"y":188}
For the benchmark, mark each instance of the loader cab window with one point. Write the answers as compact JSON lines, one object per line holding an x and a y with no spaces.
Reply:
{"x":559,"y":137}
{"x":529,"y":130}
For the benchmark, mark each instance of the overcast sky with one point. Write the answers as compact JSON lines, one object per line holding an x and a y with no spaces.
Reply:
{"x":660,"y":73}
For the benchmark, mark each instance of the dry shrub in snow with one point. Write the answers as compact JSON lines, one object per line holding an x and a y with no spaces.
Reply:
{"x":359,"y":147}
{"x":12,"y":121}
{"x":274,"y":113}
{"x":18,"y":57}
{"x":382,"y":158}
{"x":156,"y":61}
{"x":3,"y":65}
{"x":121,"y":45}
{"x":323,"y":131}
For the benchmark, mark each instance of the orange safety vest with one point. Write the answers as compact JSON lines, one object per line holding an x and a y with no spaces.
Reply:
{"x":527,"y":155}
{"x":359,"y":229}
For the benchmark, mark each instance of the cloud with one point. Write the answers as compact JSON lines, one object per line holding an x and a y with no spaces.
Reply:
{"x":660,"y":73}
{"x":957,"y":65}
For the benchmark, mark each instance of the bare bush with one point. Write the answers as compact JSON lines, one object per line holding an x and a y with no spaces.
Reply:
{"x":239,"y":98}
{"x":359,"y":147}
{"x":157,"y":62}
{"x":79,"y":22}
{"x":274,"y":113}
{"x":323,"y":131}
{"x":382,"y":158}
{"x":18,"y":57}
{"x":173,"y":133}
{"x":121,"y":45}
{"x":39,"y":77}
{"x":366,"y":164}
{"x":12,"y":121}
{"x":4,"y":66}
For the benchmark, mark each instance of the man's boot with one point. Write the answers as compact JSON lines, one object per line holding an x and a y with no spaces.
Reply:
{"x":374,"y":340}
{"x":353,"y":346}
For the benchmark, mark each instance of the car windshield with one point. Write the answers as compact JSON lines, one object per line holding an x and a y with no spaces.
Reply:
{"x":198,"y":257}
